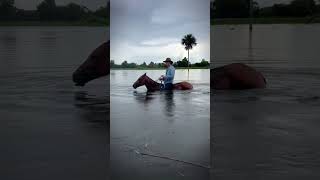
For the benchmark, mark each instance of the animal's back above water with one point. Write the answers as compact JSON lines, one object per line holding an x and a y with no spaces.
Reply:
{"x":236,"y":76}
{"x":182,"y":86}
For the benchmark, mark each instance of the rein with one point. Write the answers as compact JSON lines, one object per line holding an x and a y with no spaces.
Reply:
{"x":161,"y":84}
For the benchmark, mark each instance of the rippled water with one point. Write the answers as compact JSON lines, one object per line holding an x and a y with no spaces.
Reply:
{"x":271,"y":133}
{"x":171,"y":124}
{"x":49,"y":128}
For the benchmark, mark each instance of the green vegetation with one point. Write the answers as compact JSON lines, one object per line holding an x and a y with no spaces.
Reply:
{"x":54,"y":23}
{"x":49,"y":14}
{"x":182,"y":64}
{"x":237,"y":12}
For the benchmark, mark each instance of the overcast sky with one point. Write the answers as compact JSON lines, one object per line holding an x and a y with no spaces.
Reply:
{"x":151,"y":30}
{"x":32,"y":4}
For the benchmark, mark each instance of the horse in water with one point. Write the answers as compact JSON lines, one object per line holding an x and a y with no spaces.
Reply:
{"x":231,"y":76}
{"x":152,"y":85}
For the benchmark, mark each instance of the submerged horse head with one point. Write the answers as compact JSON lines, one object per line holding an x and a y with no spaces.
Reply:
{"x":140,"y":82}
{"x":96,"y":65}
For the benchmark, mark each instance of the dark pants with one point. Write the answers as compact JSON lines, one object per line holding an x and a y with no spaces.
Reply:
{"x":168,"y":86}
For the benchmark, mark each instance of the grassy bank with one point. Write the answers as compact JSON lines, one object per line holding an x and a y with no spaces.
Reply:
{"x":274,"y":20}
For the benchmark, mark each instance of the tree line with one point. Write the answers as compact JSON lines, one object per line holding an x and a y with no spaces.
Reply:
{"x":47,"y":10}
{"x":179,"y":64}
{"x":240,"y":9}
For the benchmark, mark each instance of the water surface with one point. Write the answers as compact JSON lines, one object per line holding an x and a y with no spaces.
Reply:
{"x":171,"y":124}
{"x":51,"y":129}
{"x":271,"y":133}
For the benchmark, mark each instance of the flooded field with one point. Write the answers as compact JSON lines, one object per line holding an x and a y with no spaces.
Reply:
{"x":49,"y":128}
{"x":169,"y":124}
{"x":271,"y":133}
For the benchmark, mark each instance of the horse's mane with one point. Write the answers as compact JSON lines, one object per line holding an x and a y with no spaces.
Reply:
{"x":151,"y":84}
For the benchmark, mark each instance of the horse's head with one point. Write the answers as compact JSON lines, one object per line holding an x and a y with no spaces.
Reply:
{"x":140,"y":82}
{"x":97,"y":65}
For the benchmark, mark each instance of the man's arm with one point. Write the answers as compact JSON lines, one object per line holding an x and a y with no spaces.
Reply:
{"x":170,"y":75}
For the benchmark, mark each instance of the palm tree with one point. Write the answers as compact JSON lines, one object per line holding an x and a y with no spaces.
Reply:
{"x":189,"y":41}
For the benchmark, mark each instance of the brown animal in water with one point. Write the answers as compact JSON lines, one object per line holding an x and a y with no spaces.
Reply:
{"x":236,"y":76}
{"x":152,"y":85}
{"x":96,"y":65}
{"x":232,"y":76}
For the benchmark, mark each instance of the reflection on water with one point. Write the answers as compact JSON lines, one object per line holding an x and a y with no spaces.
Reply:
{"x":95,"y":109}
{"x":144,"y":97}
{"x":270,"y":133}
{"x":165,"y":96}
{"x":174,"y":124}
{"x":170,"y":106}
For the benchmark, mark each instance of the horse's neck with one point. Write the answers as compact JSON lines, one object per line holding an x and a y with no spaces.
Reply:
{"x":151,"y":84}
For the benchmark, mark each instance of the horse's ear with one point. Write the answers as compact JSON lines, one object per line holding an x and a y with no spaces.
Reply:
{"x":145,"y":74}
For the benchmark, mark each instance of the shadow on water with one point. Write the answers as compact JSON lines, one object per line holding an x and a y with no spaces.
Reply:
{"x":144,"y":97}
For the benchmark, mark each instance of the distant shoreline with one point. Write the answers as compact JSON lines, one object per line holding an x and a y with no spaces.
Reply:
{"x":273,"y":20}
{"x":53,"y":23}
{"x":222,"y":21}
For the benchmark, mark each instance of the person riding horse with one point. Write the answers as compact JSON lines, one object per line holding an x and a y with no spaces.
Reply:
{"x":231,"y":76}
{"x":169,"y":77}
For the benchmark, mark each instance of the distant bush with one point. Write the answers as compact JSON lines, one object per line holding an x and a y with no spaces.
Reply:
{"x":7,"y":9}
{"x":240,"y":9}
{"x":179,"y":64}
{"x":47,"y":10}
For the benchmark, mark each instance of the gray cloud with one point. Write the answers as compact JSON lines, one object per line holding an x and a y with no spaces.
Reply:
{"x":150,"y":30}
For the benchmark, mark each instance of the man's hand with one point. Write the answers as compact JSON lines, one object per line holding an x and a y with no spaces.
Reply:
{"x":161,"y":77}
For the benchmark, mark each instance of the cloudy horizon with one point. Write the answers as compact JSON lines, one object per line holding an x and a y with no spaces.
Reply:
{"x":150,"y":30}
{"x":95,"y":4}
